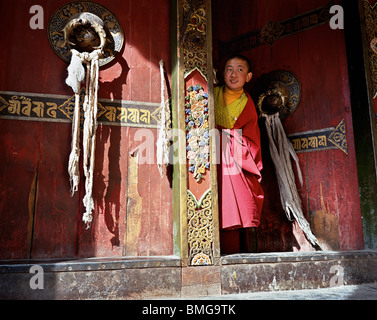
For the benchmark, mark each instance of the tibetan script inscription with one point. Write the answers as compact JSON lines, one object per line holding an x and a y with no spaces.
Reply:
{"x":57,"y":108}
{"x":274,"y":31}
{"x":324,"y":139}
{"x":309,"y":142}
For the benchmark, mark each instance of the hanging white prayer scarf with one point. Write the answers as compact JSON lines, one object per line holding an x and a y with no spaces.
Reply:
{"x":163,"y":140}
{"x":281,"y":150}
{"x":75,"y":76}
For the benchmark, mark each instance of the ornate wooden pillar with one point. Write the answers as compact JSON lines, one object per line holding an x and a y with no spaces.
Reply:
{"x":196,"y":227}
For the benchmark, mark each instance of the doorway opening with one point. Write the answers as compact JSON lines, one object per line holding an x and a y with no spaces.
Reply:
{"x":295,"y":36}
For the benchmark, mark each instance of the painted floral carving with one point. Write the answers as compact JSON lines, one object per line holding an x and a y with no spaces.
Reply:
{"x":197,"y":131}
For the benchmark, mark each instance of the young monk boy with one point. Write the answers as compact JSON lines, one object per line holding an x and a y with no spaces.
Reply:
{"x":241,"y":195}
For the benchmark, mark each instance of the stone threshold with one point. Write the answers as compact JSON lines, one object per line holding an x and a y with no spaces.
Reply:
{"x":89,"y":264}
{"x":246,"y":273}
{"x":278,"y":257}
{"x":165,"y":276}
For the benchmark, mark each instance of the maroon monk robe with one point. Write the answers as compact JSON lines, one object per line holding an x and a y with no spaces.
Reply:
{"x":241,"y":194}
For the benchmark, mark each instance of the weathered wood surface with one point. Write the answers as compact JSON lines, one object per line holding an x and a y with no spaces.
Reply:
{"x":39,"y":219}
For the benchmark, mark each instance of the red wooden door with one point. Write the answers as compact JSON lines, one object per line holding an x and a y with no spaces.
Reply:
{"x":315,"y":53}
{"x":39,"y":219}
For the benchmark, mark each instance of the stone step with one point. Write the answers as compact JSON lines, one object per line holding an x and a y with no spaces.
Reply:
{"x":165,"y":277}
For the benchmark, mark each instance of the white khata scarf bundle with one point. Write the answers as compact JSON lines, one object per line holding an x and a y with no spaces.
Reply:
{"x":163,"y":139}
{"x":281,"y":149}
{"x":76,"y":74}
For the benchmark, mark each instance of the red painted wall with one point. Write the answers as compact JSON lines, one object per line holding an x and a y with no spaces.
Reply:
{"x":330,"y":193}
{"x":34,"y":155}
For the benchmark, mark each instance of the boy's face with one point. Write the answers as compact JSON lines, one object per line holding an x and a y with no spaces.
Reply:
{"x":236,"y":74}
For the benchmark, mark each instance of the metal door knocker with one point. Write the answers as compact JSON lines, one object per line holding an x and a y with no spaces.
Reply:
{"x":279,"y":97}
{"x":87,"y":36}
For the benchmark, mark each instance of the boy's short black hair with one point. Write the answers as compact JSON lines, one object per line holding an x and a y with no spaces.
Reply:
{"x":241,"y":57}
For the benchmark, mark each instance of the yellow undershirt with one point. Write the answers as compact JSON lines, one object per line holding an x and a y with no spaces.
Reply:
{"x":228,"y":106}
{"x":230,"y":96}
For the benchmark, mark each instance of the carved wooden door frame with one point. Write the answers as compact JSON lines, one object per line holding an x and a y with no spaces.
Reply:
{"x":195,"y":205}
